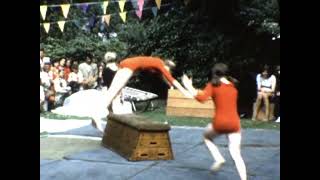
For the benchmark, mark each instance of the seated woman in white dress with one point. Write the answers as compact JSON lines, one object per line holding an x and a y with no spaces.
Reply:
{"x":266,"y":84}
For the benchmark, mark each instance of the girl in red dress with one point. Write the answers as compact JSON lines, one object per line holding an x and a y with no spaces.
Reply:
{"x":226,"y":121}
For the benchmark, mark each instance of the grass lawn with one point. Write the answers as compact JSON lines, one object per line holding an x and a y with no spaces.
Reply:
{"x":160,"y":116}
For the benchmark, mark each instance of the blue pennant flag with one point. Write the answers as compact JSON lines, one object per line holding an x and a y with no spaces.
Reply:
{"x":154,"y":11}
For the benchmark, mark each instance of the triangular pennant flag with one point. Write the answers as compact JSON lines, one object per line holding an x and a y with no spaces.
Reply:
{"x":43,"y":11}
{"x":65,"y":9}
{"x":61,"y":25}
{"x":123,"y":16}
{"x":77,"y":23}
{"x":154,"y":11}
{"x":121,"y":4}
{"x":139,"y":13}
{"x":158,"y":3}
{"x":134,"y":4}
{"x":140,"y":4}
{"x":106,"y":18}
{"x":84,"y":7}
{"x":104,"y":6}
{"x":46,"y":26}
{"x":102,"y":27}
{"x":91,"y":21}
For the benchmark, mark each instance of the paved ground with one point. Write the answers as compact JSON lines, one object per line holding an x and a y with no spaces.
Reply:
{"x":72,"y":151}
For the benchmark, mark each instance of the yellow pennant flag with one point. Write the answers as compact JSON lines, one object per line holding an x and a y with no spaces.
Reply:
{"x":61,"y":25}
{"x":121,"y":4}
{"x":158,"y":3}
{"x":123,"y":16}
{"x":46,"y":26}
{"x":43,"y":11}
{"x":105,"y":5}
{"x":65,"y":9}
{"x":106,"y":18}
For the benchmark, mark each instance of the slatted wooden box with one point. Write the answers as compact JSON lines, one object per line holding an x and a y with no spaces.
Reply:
{"x":137,"y":138}
{"x":179,"y":105}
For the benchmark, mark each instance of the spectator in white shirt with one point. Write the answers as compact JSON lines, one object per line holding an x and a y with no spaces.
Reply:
{"x":61,"y":88}
{"x":266,"y":84}
{"x":89,"y":73}
{"x":46,"y":76}
{"x":43,"y":59}
{"x":75,"y":79}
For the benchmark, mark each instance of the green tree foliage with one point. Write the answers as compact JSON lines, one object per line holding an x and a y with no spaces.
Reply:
{"x":237,"y":32}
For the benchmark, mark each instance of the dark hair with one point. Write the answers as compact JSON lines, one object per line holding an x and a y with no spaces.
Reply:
{"x":267,"y":69}
{"x":74,"y":66}
{"x":41,"y":49}
{"x":220,"y":70}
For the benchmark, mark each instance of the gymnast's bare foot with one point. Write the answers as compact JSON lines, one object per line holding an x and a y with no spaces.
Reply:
{"x":216,"y":166}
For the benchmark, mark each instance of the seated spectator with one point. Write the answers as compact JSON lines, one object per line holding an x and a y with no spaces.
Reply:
{"x":42,"y":97}
{"x":50,"y":98}
{"x":62,"y":63}
{"x":266,"y":83}
{"x":277,"y":94}
{"x":67,"y":69}
{"x":75,"y":79}
{"x":46,"y":76}
{"x":61,"y":88}
{"x":43,"y":59}
{"x":100,"y":82}
{"x":89,"y":73}
{"x":55,"y":69}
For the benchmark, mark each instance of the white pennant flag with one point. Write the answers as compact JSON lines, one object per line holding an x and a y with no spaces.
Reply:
{"x":65,"y":9}
{"x":105,"y":5}
{"x":46,"y":26}
{"x":61,"y":25}
{"x":121,"y":4}
{"x":43,"y":11}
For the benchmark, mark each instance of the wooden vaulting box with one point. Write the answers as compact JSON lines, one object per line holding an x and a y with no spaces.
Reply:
{"x":137,"y":138}
{"x":179,"y":105}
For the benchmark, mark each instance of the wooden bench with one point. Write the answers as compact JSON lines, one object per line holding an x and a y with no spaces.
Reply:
{"x":179,"y":105}
{"x":136,"y":138}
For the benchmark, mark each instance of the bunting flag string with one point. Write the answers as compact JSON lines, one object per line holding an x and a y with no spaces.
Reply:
{"x":65,"y":9}
{"x":43,"y":11}
{"x":154,"y":11}
{"x":104,"y":6}
{"x":158,"y":3}
{"x":84,"y":7}
{"x":46,"y":26}
{"x":123,"y":16}
{"x":139,"y":13}
{"x":140,"y":4}
{"x":104,"y":18}
{"x":121,"y":4}
{"x":61,"y":25}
